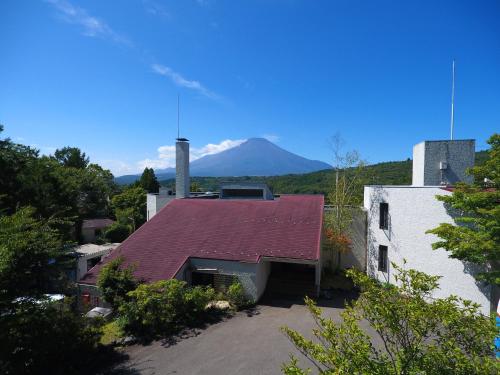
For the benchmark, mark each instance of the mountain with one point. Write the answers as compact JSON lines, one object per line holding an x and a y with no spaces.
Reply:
{"x":254,"y":157}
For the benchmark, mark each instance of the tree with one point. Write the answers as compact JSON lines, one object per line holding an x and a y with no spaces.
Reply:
{"x":476,"y":237}
{"x":117,"y":232}
{"x":343,"y":199}
{"x":148,"y":181}
{"x":163,"y":307}
{"x":195,"y":187}
{"x":115,"y":281}
{"x":419,"y":335}
{"x":130,"y":206}
{"x":45,"y":337}
{"x":31,"y":257}
{"x":71,"y":157}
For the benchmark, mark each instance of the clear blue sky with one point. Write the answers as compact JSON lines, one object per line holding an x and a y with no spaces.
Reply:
{"x":104,"y":75}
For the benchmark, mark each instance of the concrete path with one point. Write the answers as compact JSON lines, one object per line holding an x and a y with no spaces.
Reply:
{"x":247,"y":343}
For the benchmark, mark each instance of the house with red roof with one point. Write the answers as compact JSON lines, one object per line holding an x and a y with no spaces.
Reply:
{"x":246,"y":234}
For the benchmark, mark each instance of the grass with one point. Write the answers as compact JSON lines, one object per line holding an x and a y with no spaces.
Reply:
{"x":111,"y":332}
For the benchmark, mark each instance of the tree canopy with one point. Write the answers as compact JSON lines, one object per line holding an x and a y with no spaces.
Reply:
{"x":419,"y":335}
{"x":148,"y":181}
{"x":71,"y":157}
{"x":476,"y":237}
{"x":60,"y":187}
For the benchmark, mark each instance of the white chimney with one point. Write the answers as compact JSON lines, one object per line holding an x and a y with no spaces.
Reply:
{"x":182,"y":168}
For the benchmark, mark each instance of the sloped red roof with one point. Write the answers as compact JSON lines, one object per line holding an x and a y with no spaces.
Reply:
{"x":238,"y":230}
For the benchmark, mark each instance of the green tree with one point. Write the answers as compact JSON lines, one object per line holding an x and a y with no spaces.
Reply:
{"x":31,"y":257}
{"x":195,"y":187}
{"x":117,"y":232}
{"x":130,"y":206}
{"x":342,"y":199}
{"x":476,"y":237}
{"x":48,"y":338}
{"x":419,"y":335}
{"x":115,"y":281}
{"x":148,"y":181}
{"x":161,"y":308}
{"x":71,"y":157}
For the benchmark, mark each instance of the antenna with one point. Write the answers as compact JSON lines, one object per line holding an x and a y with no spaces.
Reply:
{"x":178,"y":131}
{"x":452,"y":100}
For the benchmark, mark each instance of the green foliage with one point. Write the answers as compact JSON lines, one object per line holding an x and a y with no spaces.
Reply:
{"x":161,"y":308}
{"x":31,"y":256}
{"x":236,"y":295}
{"x":420,"y":335}
{"x":63,"y":188}
{"x":476,"y":238}
{"x":386,"y":173}
{"x":115,"y":281}
{"x":148,"y":181}
{"x":47,"y":338}
{"x":117,"y":232}
{"x":71,"y":157}
{"x":195,"y":186}
{"x":130,"y":206}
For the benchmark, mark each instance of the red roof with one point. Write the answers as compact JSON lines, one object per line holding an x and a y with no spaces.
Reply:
{"x":238,"y":230}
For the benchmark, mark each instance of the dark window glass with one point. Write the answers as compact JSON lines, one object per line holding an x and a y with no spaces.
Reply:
{"x":382,"y":258}
{"x":384,"y":215}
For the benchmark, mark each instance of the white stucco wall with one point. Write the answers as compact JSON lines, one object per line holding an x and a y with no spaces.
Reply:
{"x":253,"y":276}
{"x":155,"y":202}
{"x":413,"y":211}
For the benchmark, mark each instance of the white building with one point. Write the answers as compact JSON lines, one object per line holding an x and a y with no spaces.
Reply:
{"x":399,"y":216}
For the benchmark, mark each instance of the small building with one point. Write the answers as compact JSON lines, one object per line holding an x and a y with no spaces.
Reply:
{"x":93,"y":228}
{"x":399,"y":216}
{"x":89,"y":255}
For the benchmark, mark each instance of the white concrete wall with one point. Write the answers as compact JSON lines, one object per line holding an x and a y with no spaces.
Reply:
{"x":413,"y":211}
{"x":418,"y":164}
{"x":253,"y":276}
{"x":155,"y":202}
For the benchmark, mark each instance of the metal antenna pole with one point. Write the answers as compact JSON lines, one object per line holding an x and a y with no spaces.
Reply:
{"x":452,"y":100}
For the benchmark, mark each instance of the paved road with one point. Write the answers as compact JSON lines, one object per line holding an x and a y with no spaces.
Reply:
{"x":248,"y":343}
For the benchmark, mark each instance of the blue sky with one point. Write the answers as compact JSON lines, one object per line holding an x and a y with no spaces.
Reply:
{"x":104,"y":75}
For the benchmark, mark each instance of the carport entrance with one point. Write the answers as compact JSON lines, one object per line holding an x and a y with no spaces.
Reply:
{"x":291,"y":279}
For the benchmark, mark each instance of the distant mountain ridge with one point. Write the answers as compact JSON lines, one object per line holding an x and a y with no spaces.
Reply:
{"x":254,"y":157}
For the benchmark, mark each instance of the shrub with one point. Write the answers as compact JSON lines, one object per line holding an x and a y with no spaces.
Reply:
{"x":161,"y":308}
{"x":114,"y":282}
{"x":47,"y":338}
{"x":117,"y":232}
{"x":236,"y":295}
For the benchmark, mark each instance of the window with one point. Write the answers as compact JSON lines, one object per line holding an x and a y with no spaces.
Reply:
{"x":384,"y":215}
{"x":382,"y":258}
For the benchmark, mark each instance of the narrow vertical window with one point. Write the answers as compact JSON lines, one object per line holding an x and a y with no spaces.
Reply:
{"x":384,"y":215}
{"x":382,"y":258}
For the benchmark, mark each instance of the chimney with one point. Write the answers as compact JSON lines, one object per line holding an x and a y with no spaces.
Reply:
{"x":182,"y":168}
{"x":438,"y":163}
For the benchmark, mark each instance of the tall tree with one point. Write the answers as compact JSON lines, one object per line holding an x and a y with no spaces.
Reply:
{"x":130,"y":206}
{"x":476,"y":237}
{"x":342,"y":199}
{"x":71,"y":157}
{"x":31,"y":256}
{"x":148,"y":181}
{"x":416,"y":334}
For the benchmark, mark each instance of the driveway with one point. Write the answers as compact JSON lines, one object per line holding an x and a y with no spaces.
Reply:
{"x":248,"y":343}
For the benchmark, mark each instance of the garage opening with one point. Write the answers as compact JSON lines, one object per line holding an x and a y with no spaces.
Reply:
{"x":291,"y":279}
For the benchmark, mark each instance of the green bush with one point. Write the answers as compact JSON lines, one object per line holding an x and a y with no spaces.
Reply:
{"x":236,"y":295}
{"x":117,"y":232}
{"x":115,"y":281}
{"x":161,"y":308}
{"x":47,"y":338}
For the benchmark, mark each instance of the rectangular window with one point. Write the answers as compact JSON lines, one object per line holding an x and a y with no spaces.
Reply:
{"x":384,"y":215}
{"x":382,"y":258}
